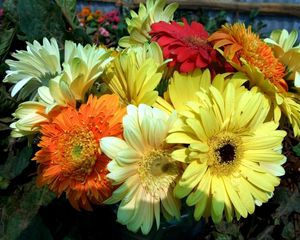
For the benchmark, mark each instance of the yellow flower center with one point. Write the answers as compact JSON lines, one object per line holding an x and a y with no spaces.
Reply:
{"x":79,"y":149}
{"x":157,"y":171}
{"x":225,"y":153}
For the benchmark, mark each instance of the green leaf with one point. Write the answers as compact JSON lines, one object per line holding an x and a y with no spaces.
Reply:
{"x":7,"y":103}
{"x":5,"y":41}
{"x":16,"y":164}
{"x":10,"y":9}
{"x":22,"y":207}
{"x":288,"y":231}
{"x":68,"y":8}
{"x":36,"y":230}
{"x":288,"y":203}
{"x":40,"y":19}
{"x":296,"y":150}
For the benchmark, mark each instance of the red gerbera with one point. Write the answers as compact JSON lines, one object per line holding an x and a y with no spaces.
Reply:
{"x":186,"y":44}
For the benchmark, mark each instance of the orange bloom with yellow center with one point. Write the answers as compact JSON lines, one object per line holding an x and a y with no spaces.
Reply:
{"x":237,"y":41}
{"x":70,"y":159}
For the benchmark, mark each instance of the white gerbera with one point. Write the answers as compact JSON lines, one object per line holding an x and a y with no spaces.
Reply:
{"x":33,"y":67}
{"x":142,"y":166}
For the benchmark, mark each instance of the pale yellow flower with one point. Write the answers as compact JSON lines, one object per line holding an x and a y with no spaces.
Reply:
{"x":139,"y":23}
{"x":142,"y":169}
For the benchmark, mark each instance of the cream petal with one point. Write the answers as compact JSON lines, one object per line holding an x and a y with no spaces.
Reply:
{"x":111,"y":146}
{"x":127,"y":156}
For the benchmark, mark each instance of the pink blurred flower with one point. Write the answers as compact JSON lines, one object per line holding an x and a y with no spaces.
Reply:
{"x":103,"y":32}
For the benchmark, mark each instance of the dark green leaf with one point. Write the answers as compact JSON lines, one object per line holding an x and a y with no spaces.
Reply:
{"x":40,"y":19}
{"x":289,"y":202}
{"x":16,"y":164}
{"x":22,"y":207}
{"x":296,"y":150}
{"x":288,"y":231}
{"x":7,"y":103}
{"x":5,"y":41}
{"x":10,"y":9}
{"x":36,"y":230}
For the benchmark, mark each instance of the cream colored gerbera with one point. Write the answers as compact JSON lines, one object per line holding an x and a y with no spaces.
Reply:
{"x":134,"y":76}
{"x":31,"y":114}
{"x":33,"y":67}
{"x":139,"y":24}
{"x":234,"y":155}
{"x":81,"y":68}
{"x":282,"y":44}
{"x":142,"y":166}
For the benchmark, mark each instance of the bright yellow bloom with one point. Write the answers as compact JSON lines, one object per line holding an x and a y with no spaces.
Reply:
{"x":33,"y":68}
{"x":139,"y":24}
{"x":134,"y":77}
{"x":82,"y":67}
{"x":142,"y":167}
{"x":182,"y":88}
{"x":234,"y":155}
{"x":249,"y":54}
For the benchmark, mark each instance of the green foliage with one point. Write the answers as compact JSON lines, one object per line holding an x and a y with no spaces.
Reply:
{"x":35,"y":19}
{"x":40,"y":19}
{"x":22,"y":207}
{"x":5,"y":41}
{"x":296,"y":150}
{"x":7,"y":103}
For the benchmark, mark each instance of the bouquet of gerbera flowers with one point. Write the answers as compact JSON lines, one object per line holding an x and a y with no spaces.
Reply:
{"x":189,"y":117}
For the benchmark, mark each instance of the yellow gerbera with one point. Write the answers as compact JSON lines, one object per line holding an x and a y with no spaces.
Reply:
{"x":134,"y":77}
{"x":142,"y":166}
{"x":82,"y":67}
{"x":234,"y":155}
{"x":182,"y":88}
{"x":33,"y":67}
{"x":249,"y":54}
{"x":139,"y":24}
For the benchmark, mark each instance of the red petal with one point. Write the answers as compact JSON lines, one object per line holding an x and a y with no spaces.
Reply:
{"x":187,"y":67}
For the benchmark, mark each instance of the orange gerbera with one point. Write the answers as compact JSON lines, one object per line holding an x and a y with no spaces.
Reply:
{"x":70,"y":158}
{"x":237,"y":41}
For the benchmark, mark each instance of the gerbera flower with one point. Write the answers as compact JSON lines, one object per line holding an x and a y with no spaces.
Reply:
{"x":249,"y":54}
{"x":182,"y":88}
{"x":142,"y":165}
{"x":282,"y":44}
{"x":81,"y":68}
{"x":33,"y":68}
{"x":134,"y":77}
{"x":234,"y":155}
{"x":139,"y":24}
{"x":186,"y":44}
{"x":70,"y":160}
{"x":31,"y":114}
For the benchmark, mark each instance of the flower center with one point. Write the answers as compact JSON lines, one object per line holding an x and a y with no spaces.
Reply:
{"x":79,"y":149}
{"x":157,"y":171}
{"x":195,"y":41}
{"x":225,"y":153}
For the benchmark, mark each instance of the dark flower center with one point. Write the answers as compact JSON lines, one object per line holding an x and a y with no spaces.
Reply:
{"x":227,"y":153}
